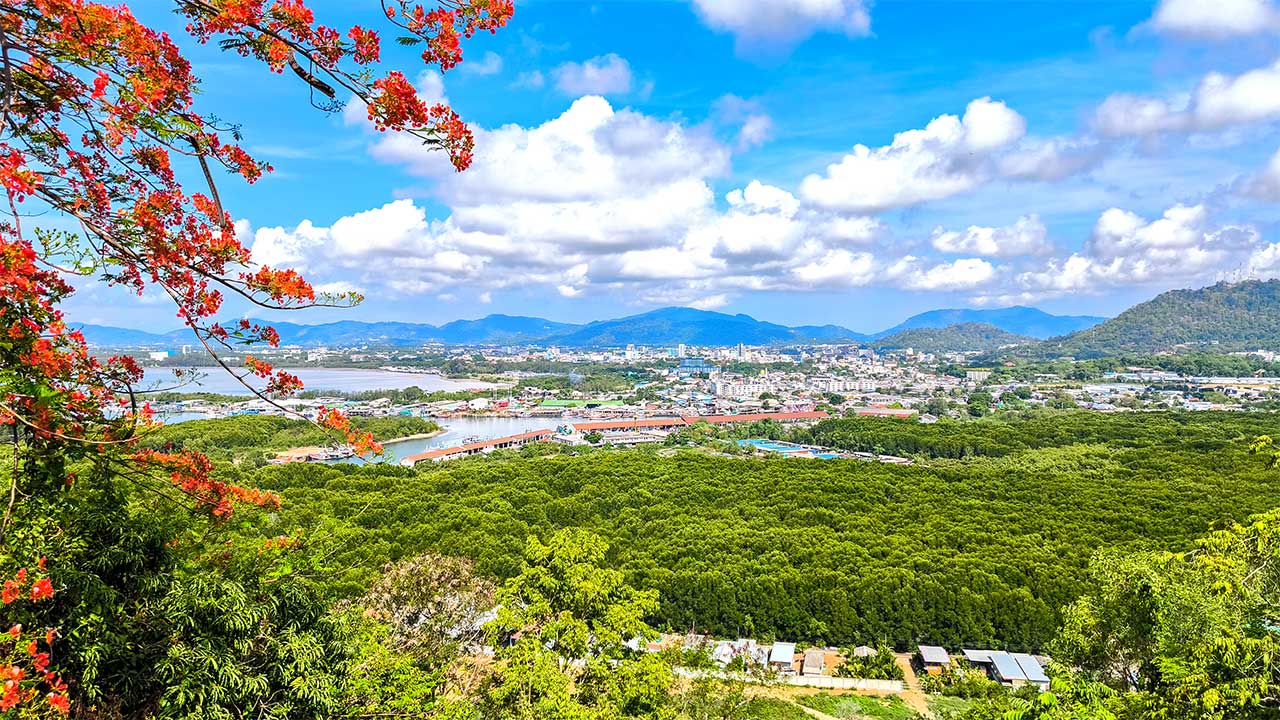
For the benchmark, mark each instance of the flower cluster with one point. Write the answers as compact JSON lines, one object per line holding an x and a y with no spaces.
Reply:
{"x":26,"y":659}
{"x":192,"y":473}
{"x":361,"y":442}
{"x":101,"y":128}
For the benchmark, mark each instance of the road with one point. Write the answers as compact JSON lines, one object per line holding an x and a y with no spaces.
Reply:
{"x":913,"y":696}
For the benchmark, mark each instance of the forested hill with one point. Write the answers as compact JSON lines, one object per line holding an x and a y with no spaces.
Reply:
{"x":962,"y":337}
{"x":1225,"y":317}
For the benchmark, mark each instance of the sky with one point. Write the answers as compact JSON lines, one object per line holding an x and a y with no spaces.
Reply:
{"x":801,"y":161}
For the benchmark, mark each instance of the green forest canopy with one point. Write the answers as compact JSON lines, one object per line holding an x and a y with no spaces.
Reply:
{"x":981,"y":544}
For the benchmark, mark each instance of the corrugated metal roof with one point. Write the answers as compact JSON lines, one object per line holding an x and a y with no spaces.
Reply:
{"x":691,"y":419}
{"x":934,"y":655}
{"x":813,"y":662}
{"x":1006,"y":667}
{"x":1030,"y":667}
{"x":783,"y":652}
{"x":478,"y":446}
{"x":978,"y":656}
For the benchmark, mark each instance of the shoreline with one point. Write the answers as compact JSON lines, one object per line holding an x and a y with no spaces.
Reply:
{"x":298,"y":454}
{"x":417,"y":436}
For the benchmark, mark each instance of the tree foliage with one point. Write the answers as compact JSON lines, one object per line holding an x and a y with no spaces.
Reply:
{"x":983,"y":550}
{"x":121,"y":553}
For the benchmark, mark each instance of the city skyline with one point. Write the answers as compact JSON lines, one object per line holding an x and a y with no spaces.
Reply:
{"x":852,"y":165}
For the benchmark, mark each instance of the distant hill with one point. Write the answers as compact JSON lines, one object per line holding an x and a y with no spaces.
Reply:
{"x":501,"y":329}
{"x":114,"y":337}
{"x":1018,"y":320}
{"x":963,"y":337}
{"x":696,"y":327}
{"x":491,"y":330}
{"x":666,"y":326}
{"x":1225,"y":317}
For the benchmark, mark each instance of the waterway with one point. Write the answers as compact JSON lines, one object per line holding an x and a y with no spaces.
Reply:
{"x":458,"y":429}
{"x":455,"y":431}
{"x":217,"y":380}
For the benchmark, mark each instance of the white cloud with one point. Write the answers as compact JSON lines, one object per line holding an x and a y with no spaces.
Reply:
{"x":277,"y":247}
{"x":1218,"y":101}
{"x":949,"y":156}
{"x":756,"y":129}
{"x":338,"y":287}
{"x":1216,"y":19}
{"x":603,"y":75}
{"x":1027,"y":236}
{"x":1052,"y":159}
{"x":1223,"y":100}
{"x":1265,"y":184}
{"x":530,"y":79}
{"x":754,"y":125}
{"x":782,"y":23}
{"x":489,"y":64}
{"x":600,"y":199}
{"x":710,"y":302}
{"x":838,"y":268}
{"x":962,"y":274}
{"x":1126,"y":250}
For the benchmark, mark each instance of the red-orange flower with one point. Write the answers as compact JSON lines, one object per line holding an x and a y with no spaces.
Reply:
{"x":42,"y":589}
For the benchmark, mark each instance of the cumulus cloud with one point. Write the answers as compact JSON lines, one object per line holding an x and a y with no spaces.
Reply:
{"x":1125,"y":249}
{"x":783,"y":23}
{"x":489,"y":64}
{"x":1265,"y":184}
{"x":754,"y":125}
{"x":601,"y":199}
{"x":1216,"y":19}
{"x":1051,"y":159}
{"x":949,"y":156}
{"x":603,"y":75}
{"x":963,"y":274}
{"x":1218,"y":101}
{"x":1026,"y":236}
{"x":597,"y":198}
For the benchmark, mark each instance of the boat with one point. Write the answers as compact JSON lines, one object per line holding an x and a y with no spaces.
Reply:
{"x":340,"y":452}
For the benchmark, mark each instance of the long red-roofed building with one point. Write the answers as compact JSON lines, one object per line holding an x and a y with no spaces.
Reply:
{"x":637,"y":424}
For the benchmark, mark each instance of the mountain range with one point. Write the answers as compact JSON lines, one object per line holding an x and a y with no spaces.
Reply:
{"x":666,"y":326}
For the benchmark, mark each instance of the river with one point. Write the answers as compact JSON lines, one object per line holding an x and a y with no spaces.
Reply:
{"x":456,"y":429}
{"x":217,"y":380}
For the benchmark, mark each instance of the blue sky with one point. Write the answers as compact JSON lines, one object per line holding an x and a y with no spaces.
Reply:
{"x":803,"y":161}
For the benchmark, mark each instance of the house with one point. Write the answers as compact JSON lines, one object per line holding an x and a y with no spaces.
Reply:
{"x":1006,"y":671}
{"x":934,"y":659}
{"x":1009,"y":669}
{"x":814,"y":662}
{"x":1032,"y":670}
{"x":980,"y":658}
{"x":863,"y":651}
{"x":725,"y":651}
{"x":782,"y":657}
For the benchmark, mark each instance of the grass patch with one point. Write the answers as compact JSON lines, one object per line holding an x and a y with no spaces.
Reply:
{"x":772,"y":709}
{"x":944,"y":707}
{"x":856,"y":707}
